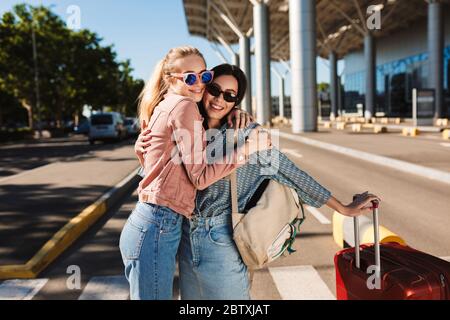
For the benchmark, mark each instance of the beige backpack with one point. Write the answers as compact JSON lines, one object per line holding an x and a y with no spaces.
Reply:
{"x":268,"y":229}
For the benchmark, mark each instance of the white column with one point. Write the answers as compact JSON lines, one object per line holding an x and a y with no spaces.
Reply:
{"x":302,"y":31}
{"x":262,"y":55}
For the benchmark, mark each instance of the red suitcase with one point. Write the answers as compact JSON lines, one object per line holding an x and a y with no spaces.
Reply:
{"x":405,"y":273}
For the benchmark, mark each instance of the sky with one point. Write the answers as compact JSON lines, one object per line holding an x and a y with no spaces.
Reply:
{"x":144,"y":31}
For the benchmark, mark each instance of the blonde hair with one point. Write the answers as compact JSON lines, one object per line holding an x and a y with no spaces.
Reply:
{"x":158,"y":84}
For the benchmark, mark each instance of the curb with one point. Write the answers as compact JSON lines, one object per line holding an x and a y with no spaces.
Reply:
{"x":399,"y":165}
{"x":68,"y":234}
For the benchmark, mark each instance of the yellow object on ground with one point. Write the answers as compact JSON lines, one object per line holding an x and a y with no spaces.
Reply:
{"x":343,"y":231}
{"x":446,"y":134}
{"x":385,"y":236}
{"x":338,"y":230}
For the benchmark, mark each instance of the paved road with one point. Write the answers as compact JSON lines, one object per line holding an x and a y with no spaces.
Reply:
{"x":36,"y":203}
{"x":19,"y":157}
{"x":428,"y":149}
{"x":415,"y":208}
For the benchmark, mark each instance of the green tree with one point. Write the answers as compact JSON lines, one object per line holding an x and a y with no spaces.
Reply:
{"x":129,"y":90}
{"x":10,"y":109}
{"x":323,"y":87}
{"x":75,"y":69}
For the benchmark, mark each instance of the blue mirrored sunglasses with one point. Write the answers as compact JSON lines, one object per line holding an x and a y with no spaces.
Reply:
{"x":190,"y":78}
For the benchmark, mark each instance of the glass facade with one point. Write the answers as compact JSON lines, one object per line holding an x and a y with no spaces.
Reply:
{"x":447,"y":70}
{"x":355,"y":89}
{"x":394,"y":84}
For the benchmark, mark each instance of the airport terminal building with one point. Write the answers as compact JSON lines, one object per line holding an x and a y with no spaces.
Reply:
{"x":402,"y":63}
{"x":389,"y":48}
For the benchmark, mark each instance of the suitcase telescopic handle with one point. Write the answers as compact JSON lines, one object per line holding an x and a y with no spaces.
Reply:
{"x":376,"y":237}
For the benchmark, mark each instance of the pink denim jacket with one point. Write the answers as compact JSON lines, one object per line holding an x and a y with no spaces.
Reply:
{"x":175,"y":164}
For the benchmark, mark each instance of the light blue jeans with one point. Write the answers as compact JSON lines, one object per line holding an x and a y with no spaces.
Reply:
{"x":211,"y":267}
{"x":149,"y":244}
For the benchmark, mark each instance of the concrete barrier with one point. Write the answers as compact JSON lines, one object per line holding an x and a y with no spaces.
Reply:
{"x":343,"y":231}
{"x":327,"y":124}
{"x":341,"y":125}
{"x":356,"y":127}
{"x":368,"y":125}
{"x":410,"y":131}
{"x":380,"y":129}
{"x":45,"y":134}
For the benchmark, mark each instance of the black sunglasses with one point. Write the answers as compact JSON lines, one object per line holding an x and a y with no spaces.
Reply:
{"x":214,"y":90}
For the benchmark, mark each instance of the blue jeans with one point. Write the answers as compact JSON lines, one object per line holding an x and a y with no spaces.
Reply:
{"x":149,"y":244}
{"x":210,"y":264}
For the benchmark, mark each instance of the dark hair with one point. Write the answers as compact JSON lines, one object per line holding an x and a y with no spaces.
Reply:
{"x":227,"y":70}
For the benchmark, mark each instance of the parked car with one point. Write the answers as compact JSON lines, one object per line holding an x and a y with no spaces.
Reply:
{"x":132,"y":125}
{"x":82,"y":127}
{"x":107,"y":126}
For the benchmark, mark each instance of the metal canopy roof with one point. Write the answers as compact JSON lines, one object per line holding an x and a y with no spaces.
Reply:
{"x":339,"y":26}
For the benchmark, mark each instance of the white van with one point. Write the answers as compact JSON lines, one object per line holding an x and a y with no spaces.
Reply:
{"x":107,"y":126}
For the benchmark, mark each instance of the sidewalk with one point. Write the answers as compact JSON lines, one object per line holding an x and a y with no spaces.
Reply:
{"x":427,"y":150}
{"x":406,"y":123}
{"x":37,"y":203}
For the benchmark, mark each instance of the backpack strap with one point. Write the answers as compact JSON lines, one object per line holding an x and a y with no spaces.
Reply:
{"x":234,"y":195}
{"x":236,"y":217}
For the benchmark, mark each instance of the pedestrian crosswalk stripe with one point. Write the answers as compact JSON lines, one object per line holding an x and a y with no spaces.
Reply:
{"x":318,"y":215}
{"x":300,"y":283}
{"x":21,"y":289}
{"x":106,"y":288}
{"x":293,"y":283}
{"x":292,"y":152}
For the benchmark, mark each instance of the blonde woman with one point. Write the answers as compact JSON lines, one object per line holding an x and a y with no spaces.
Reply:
{"x":174,"y":167}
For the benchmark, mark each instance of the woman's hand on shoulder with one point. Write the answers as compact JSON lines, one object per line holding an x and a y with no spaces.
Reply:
{"x":239,"y":119}
{"x":143,"y":142}
{"x":258,"y":140}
